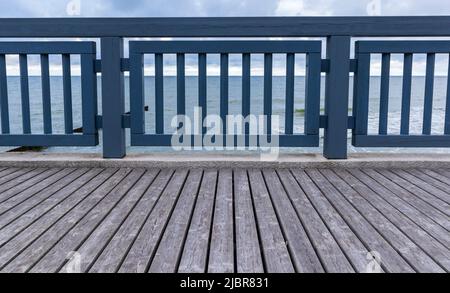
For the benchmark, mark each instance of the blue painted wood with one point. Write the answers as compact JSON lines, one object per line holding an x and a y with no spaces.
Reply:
{"x":357,"y":26}
{"x":413,"y":47}
{"x":159,"y":94}
{"x":89,"y":94}
{"x":229,"y":47}
{"x":25,"y":93}
{"x":289,"y":108}
{"x":336,"y":97}
{"x":406,"y":93}
{"x":37,"y":48}
{"x":46,"y":97}
{"x":312,"y":95}
{"x":429,"y":89}
{"x":402,"y":141}
{"x":384,"y":93}
{"x":48,"y":140}
{"x":246,"y":92}
{"x":297,"y":140}
{"x":181,"y":85}
{"x":67,"y":90}
{"x":202,"y":86}
{"x":361,"y":94}
{"x":137,"y":93}
{"x":268,"y":62}
{"x":224,"y":90}
{"x":113,"y":98}
{"x":4,"y":107}
{"x":447,"y":106}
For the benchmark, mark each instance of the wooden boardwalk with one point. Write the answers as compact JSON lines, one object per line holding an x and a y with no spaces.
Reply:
{"x":241,"y":220}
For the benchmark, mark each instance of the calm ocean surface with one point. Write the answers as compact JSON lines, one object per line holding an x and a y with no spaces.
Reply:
{"x":235,"y":89}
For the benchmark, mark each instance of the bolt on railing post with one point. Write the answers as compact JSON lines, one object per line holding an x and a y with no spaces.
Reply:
{"x":337,"y":97}
{"x":113,"y":97}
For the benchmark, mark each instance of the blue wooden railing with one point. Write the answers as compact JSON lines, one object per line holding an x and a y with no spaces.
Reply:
{"x":337,"y":65}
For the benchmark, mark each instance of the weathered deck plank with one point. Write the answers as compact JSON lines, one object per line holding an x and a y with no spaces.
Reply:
{"x":196,"y":248}
{"x":245,"y":221}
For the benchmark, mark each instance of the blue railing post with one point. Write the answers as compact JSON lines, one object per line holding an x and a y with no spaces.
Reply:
{"x":113,"y":97}
{"x":336,"y":97}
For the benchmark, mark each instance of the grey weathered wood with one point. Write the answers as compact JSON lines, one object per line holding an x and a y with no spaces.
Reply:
{"x":15,"y":179}
{"x":141,"y":253}
{"x":422,"y":181}
{"x":221,"y":254}
{"x":392,"y":260}
{"x":56,"y":256}
{"x":410,"y":198}
{"x":169,"y":251}
{"x":248,"y":251}
{"x":328,"y":249}
{"x":52,"y":207}
{"x":54,"y":193}
{"x":404,"y":207}
{"x":444,"y":182}
{"x":395,"y":230}
{"x":99,"y":238}
{"x":302,"y":252}
{"x":30,"y":187}
{"x":418,"y":192}
{"x":45,"y":232}
{"x":72,"y":241}
{"x":273,"y":244}
{"x":195,"y":254}
{"x":11,"y":173}
{"x":111,"y":257}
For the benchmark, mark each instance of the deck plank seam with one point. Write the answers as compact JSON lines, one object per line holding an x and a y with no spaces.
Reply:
{"x":306,"y":230}
{"x":211,"y":224}
{"x":399,"y":210}
{"x":300,"y":220}
{"x":435,"y":176}
{"x":258,"y":233}
{"x":125,"y":194}
{"x":180,"y":254}
{"x":282,"y":228}
{"x":43,"y":200}
{"x":20,"y":183}
{"x":412,"y":205}
{"x":339,"y":212}
{"x":77,"y":222}
{"x":160,"y":236}
{"x":143,"y":223}
{"x":446,"y":201}
{"x":388,"y":220}
{"x":158,"y":171}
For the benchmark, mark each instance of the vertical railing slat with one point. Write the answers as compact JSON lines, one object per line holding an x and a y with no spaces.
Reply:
{"x":4,"y":108}
{"x":384,"y":93}
{"x":447,"y":106}
{"x":137,"y":93}
{"x":224,"y":90}
{"x":268,"y":60}
{"x":406,"y":94}
{"x":202,"y":86}
{"x":290,"y":76}
{"x":67,"y":90}
{"x":181,"y":85}
{"x":25,"y":93}
{"x":246,"y":84}
{"x":312,"y":94}
{"x":46,"y":98}
{"x":361,"y":94}
{"x":88,"y":93}
{"x":429,"y":89}
{"x":159,"y":93}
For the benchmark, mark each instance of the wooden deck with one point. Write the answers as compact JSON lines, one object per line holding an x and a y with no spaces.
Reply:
{"x":284,"y":220}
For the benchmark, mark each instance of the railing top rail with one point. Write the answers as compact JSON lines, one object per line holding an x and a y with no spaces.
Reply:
{"x":408,"y":26}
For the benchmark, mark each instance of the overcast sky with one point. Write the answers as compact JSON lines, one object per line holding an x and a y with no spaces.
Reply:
{"x":204,"y":8}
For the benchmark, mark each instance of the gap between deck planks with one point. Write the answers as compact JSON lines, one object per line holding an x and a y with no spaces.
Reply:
{"x":224,"y":220}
